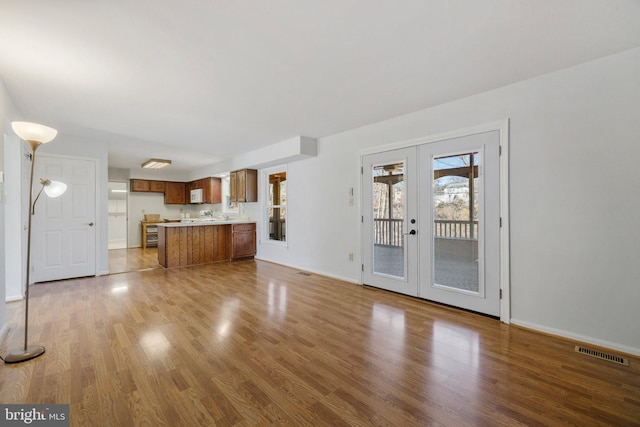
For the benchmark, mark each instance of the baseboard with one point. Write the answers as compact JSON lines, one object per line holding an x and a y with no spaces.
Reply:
{"x":319,"y":272}
{"x":3,"y":332}
{"x":577,"y":337}
{"x":13,"y":298}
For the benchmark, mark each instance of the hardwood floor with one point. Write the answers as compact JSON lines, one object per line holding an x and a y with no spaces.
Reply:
{"x":132,"y":259}
{"x":252,"y":343}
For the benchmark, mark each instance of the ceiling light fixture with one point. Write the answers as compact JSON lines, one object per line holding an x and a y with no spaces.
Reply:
{"x":156,"y":163}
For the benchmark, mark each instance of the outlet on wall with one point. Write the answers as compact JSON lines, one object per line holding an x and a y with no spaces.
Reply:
{"x":350,"y":256}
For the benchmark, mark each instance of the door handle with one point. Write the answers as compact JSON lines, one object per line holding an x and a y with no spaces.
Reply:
{"x":90,"y":224}
{"x":412,"y":232}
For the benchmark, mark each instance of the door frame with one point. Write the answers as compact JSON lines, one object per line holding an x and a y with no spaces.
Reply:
{"x":126,"y":217}
{"x":502,"y":126}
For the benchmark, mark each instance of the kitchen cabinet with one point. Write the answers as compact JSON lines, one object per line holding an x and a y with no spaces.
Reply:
{"x":146,"y":186}
{"x":175,"y":193}
{"x":143,"y":185}
{"x":157,"y":186}
{"x":242,"y":241}
{"x":179,"y":193}
{"x":211,"y":189}
{"x":243,"y":186}
{"x":149,"y":233}
{"x":182,"y":244}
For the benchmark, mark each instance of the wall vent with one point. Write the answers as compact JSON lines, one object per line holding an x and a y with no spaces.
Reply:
{"x":304,"y":273}
{"x":604,"y":356}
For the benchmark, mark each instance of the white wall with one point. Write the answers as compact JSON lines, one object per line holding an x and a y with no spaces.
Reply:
{"x":151,"y":203}
{"x":6,"y":116}
{"x":15,"y":235}
{"x":574,"y":239}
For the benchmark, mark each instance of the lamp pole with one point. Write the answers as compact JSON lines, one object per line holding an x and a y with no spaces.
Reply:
{"x":34,"y":146}
{"x":35,"y":135}
{"x":29,"y":351}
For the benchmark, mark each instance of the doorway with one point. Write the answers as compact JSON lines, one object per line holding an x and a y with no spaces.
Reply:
{"x":431,"y":221}
{"x":117,"y":227}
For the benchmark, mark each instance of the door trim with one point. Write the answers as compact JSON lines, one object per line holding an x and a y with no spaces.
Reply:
{"x":502,"y":126}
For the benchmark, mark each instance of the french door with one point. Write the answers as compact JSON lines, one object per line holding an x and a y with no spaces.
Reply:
{"x":390,"y":205}
{"x":431,"y":216}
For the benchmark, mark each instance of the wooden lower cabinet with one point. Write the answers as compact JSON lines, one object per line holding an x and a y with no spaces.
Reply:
{"x":180,"y":246}
{"x":242,"y":241}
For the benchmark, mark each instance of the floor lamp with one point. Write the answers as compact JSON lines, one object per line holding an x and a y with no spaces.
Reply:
{"x":35,"y":135}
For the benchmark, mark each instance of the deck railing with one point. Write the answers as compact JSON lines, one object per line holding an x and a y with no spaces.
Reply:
{"x":455,"y":229}
{"x":389,"y":232}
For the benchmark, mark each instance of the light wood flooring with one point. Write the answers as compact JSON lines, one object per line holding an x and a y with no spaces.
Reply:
{"x":132,"y":259}
{"x":250,"y":343}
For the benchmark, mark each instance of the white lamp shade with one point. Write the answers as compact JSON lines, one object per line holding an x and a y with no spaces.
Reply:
{"x":34,"y":132}
{"x":55,"y":188}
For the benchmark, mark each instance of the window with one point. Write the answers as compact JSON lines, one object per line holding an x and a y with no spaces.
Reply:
{"x":276,"y":205}
{"x":227,"y":205}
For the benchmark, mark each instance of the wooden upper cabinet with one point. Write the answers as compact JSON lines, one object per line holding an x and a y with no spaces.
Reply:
{"x":243,"y":185}
{"x":175,"y":193}
{"x":179,"y":193}
{"x":157,"y":186}
{"x":233,"y":191}
{"x":140,"y":185}
{"x":211,"y":189}
{"x":146,"y":185}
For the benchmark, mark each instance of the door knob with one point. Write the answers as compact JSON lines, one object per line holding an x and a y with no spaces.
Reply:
{"x":90,"y":224}
{"x":413,"y":232}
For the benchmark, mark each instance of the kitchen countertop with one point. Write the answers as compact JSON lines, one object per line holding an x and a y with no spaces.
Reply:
{"x":193,"y":223}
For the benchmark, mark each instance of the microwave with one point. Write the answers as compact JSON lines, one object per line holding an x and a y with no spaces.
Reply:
{"x":196,"y":195}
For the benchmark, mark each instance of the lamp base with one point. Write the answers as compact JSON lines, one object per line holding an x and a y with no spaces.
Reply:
{"x":20,"y":355}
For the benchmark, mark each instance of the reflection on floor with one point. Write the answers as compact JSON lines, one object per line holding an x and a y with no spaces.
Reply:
{"x":132,"y":259}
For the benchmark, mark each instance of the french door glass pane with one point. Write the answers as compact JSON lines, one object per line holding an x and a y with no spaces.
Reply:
{"x":455,"y":221}
{"x":388,"y":219}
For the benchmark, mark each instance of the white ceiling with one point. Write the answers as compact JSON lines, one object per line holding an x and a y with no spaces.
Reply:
{"x":198,"y":81}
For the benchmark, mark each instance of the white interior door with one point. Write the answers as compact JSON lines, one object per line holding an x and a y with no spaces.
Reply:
{"x":64,"y":230}
{"x":390,"y":221}
{"x":460,"y":202}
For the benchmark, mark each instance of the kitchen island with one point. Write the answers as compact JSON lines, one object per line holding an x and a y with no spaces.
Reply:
{"x":189,"y":243}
